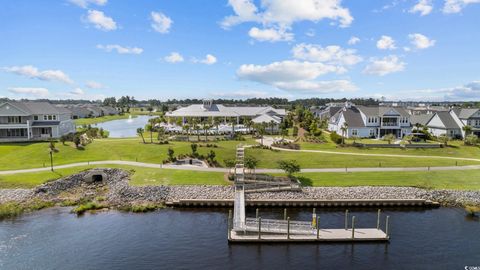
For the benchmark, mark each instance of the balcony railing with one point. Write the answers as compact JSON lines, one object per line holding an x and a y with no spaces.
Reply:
{"x":390,"y":124}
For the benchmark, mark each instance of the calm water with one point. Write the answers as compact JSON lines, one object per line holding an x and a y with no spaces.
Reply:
{"x":196,"y":239}
{"x":124,"y":127}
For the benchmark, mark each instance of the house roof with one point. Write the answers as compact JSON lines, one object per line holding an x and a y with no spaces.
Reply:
{"x":421,"y":119}
{"x":265,"y":118}
{"x":465,"y":113}
{"x":218,"y":110}
{"x":36,"y":107}
{"x":447,"y":120}
{"x":352,"y":116}
{"x":381,"y":110}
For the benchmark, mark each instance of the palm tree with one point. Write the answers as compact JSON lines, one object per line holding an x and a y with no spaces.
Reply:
{"x":186,"y":128}
{"x":467,"y":129}
{"x":261,"y":131}
{"x":272,"y":125}
{"x":196,"y":127}
{"x":140,"y":133}
{"x":149,"y":128}
{"x":216,"y":123}
{"x":249,"y":124}
{"x":344,"y":130}
{"x":205,"y":127}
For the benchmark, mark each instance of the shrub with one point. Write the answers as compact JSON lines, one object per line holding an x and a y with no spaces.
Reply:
{"x":335,"y":137}
{"x":289,"y":166}
{"x":295,"y":131}
{"x":471,"y":140}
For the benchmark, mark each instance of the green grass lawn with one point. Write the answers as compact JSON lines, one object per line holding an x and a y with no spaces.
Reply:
{"x":96,"y":120}
{"x":463,"y":180}
{"x":33,"y":155}
{"x":140,"y":177}
{"x":455,"y":149}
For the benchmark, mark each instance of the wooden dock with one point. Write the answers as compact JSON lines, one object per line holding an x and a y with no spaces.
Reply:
{"x":325,"y":235}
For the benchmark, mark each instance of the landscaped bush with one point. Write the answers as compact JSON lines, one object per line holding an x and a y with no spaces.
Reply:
{"x":471,"y":140}
{"x":287,"y":145}
{"x":335,"y":137}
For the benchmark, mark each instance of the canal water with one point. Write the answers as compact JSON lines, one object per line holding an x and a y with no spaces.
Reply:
{"x":197,"y":239}
{"x":123,"y":128}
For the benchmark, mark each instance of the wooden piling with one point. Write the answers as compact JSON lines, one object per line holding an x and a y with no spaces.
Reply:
{"x":229,"y":224}
{"x":288,"y":228}
{"x":256,"y":213}
{"x":346,"y":219}
{"x":318,"y":227}
{"x":386,"y":226}
{"x":285,"y":214}
{"x":259,"y":228}
{"x":353,"y":227}
{"x":378,"y":219}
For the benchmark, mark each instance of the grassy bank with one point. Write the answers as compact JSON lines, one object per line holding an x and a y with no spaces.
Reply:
{"x":461,"y":180}
{"x":91,"y":121}
{"x":140,"y":176}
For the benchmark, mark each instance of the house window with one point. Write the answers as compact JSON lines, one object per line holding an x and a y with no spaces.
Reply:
{"x":354,"y":132}
{"x":372,"y":132}
{"x":35,"y":117}
{"x":45,"y":117}
{"x":49,"y":117}
{"x":54,"y":117}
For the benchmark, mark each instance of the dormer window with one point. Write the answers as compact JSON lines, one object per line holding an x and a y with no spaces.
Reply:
{"x":35,"y":117}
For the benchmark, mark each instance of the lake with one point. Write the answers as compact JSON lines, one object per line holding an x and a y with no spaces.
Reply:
{"x":124,"y":127}
{"x":197,"y":238}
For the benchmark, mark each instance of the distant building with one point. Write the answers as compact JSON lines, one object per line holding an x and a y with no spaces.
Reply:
{"x":28,"y":121}
{"x":209,"y":110}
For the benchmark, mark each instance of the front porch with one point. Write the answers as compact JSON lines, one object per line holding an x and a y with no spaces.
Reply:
{"x":25,"y":134}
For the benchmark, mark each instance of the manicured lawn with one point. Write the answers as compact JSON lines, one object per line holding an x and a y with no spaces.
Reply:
{"x":269,"y":159}
{"x":140,"y":176}
{"x":33,"y":155}
{"x":464,"y":180}
{"x":91,"y":121}
{"x":455,"y":149}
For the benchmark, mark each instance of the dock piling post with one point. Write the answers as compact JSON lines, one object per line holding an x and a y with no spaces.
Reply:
{"x":386,"y":225}
{"x":288,"y":228}
{"x":378,"y":219}
{"x":229,"y":224}
{"x":285,"y":214}
{"x":259,"y":228}
{"x":256,"y":213}
{"x":346,"y":219}
{"x":353,"y":227}
{"x":318,"y":227}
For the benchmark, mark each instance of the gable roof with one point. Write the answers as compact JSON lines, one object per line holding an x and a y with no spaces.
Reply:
{"x":381,"y":110}
{"x":265,"y":118}
{"x":447,"y":120}
{"x":465,"y":113}
{"x":421,"y":119}
{"x":35,"y":107}
{"x":352,"y":117}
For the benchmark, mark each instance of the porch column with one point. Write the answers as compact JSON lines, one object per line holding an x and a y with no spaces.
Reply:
{"x":28,"y":129}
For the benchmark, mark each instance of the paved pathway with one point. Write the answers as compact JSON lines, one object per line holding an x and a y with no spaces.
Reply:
{"x":195,"y":168}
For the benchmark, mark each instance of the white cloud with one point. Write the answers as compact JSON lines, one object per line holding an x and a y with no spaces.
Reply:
{"x":281,"y":14}
{"x":420,"y":41}
{"x":353,"y":40}
{"x":270,"y":34}
{"x":386,"y":43}
{"x":160,"y":22}
{"x":469,"y":91}
{"x":77,"y":92}
{"x":384,"y":66}
{"x":120,"y":49}
{"x":334,"y":55}
{"x":318,"y":86}
{"x":100,"y":20}
{"x":45,"y":75}
{"x":208,"y":60}
{"x":424,"y":7}
{"x":94,"y":85}
{"x":295,"y":76}
{"x":174,"y":57}
{"x":30,"y":91}
{"x":86,"y":3}
{"x":455,"y":6}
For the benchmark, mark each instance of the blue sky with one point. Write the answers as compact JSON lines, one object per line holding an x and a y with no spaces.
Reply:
{"x":399,"y":49}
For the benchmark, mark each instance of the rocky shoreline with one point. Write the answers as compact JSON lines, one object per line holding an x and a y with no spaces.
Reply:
{"x":115,"y":191}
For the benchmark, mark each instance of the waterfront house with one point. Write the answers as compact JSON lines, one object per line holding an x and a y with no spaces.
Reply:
{"x":445,"y":123}
{"x":370,"y":121}
{"x":29,"y":121}
{"x":470,"y":117}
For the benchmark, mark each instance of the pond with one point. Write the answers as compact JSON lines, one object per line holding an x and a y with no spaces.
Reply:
{"x":197,"y":239}
{"x":124,"y":128}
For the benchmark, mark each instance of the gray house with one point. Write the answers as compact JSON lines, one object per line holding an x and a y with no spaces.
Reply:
{"x":445,"y":123}
{"x":30,"y":121}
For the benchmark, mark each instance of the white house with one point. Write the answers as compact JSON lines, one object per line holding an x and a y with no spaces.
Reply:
{"x":27,"y":121}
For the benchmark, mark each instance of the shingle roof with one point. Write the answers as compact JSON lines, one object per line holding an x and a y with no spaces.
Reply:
{"x":381,"y":110}
{"x":447,"y":120}
{"x":218,"y":110}
{"x":465,"y":113}
{"x":265,"y":118}
{"x":353,"y":117}
{"x":36,"y":107}
{"x":421,"y":119}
